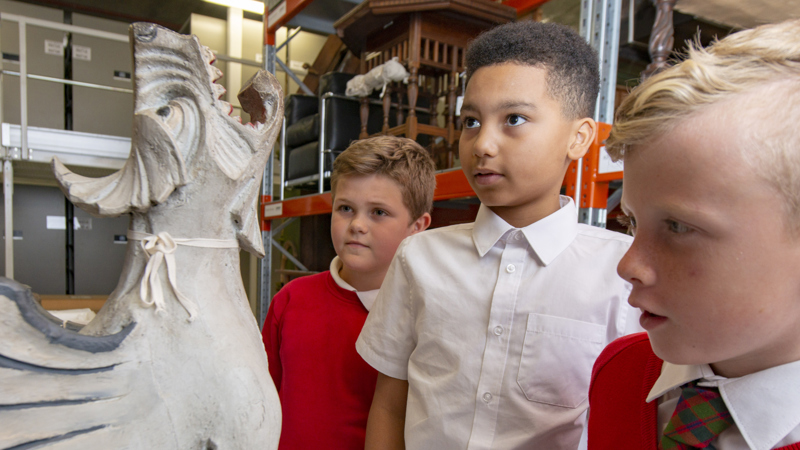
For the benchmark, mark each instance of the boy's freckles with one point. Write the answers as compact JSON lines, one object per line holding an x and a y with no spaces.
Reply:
{"x":711,"y":254}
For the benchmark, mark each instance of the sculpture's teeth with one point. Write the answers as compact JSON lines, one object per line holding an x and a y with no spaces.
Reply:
{"x":214,"y":74}
{"x":208,"y":55}
{"x":219,"y":90}
{"x":238,"y":118}
{"x":225,"y":107}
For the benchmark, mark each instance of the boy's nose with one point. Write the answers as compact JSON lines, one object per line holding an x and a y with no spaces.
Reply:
{"x":485,"y":143}
{"x":634,"y":266}
{"x":358,"y":225}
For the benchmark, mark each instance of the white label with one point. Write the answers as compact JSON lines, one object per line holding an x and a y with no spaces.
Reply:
{"x":273,"y":210}
{"x":53,"y":48}
{"x":84,"y":223}
{"x":276,"y":14}
{"x":459,"y":102}
{"x":82,"y":53}
{"x":60,"y":223}
{"x":259,"y":57}
{"x":121,"y":75}
{"x":606,"y":165}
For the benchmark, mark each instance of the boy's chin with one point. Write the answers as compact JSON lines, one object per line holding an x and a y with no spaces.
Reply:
{"x":678,"y":353}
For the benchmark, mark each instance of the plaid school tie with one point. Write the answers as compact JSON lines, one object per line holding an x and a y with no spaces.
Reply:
{"x":699,"y":417}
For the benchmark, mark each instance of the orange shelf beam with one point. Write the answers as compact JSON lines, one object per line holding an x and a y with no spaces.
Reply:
{"x":280,"y":16}
{"x":453,"y":184}
{"x":523,"y":6}
{"x":450,"y":184}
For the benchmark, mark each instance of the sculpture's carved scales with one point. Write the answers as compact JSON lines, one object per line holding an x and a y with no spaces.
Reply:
{"x":134,"y":378}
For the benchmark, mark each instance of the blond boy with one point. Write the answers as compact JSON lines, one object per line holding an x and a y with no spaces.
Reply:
{"x":712,"y":187}
{"x":382,"y":191}
{"x":485,"y":333}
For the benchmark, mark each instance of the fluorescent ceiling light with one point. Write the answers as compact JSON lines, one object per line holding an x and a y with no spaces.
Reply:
{"x":246,"y":5}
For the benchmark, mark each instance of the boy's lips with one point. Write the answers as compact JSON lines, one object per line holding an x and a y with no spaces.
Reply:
{"x":355,"y":244}
{"x":486,"y":177}
{"x":648,"y":320}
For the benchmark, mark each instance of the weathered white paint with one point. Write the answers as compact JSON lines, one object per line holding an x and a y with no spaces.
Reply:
{"x":171,"y":383}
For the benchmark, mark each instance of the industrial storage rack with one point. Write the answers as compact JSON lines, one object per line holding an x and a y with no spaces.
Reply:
{"x":587,"y":180}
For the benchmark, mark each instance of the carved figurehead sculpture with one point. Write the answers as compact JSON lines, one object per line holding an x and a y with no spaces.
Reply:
{"x":174,"y":359}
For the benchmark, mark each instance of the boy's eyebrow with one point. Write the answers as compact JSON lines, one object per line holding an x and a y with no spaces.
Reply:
{"x":512,"y":104}
{"x":371,"y":204}
{"x":509,"y":104}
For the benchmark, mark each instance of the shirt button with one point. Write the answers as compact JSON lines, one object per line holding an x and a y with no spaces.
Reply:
{"x":487,"y":397}
{"x":518,"y":236}
{"x":498,"y":330}
{"x":510,"y":268}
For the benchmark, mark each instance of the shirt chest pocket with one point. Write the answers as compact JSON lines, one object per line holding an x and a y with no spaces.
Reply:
{"x":557,"y":358}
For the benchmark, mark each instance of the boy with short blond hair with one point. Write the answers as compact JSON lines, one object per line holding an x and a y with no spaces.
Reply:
{"x":382,"y":191}
{"x":485,"y":333}
{"x":712,"y":188}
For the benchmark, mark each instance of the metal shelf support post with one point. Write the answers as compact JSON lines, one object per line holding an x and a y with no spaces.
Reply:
{"x":265,"y":264}
{"x":600,"y":26}
{"x":8,"y":191}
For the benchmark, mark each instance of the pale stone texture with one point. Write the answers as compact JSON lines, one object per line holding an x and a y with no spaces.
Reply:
{"x":137,"y":377}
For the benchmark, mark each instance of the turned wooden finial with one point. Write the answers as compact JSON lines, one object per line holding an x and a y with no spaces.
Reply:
{"x":661,"y":39}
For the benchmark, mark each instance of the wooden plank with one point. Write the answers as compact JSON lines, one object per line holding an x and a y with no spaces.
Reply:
{"x":431,"y":130}
{"x":327,"y":60}
{"x":59,"y":302}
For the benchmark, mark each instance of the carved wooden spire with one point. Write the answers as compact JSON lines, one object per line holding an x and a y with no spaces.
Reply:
{"x":661,"y":39}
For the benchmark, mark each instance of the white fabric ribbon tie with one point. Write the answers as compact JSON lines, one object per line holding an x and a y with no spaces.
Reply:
{"x":160,"y":248}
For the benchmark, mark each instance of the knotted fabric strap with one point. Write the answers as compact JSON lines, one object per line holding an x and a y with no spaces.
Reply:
{"x":699,"y":417}
{"x":161,"y":248}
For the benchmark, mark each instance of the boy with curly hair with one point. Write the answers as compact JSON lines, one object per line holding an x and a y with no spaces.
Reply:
{"x":485,"y":333}
{"x":712,"y":188}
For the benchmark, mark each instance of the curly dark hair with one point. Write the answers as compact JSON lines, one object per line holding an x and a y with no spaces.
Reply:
{"x":573,"y":76}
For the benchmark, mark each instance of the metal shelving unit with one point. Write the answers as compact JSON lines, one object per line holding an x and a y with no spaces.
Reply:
{"x":24,"y":143}
{"x":587,"y":180}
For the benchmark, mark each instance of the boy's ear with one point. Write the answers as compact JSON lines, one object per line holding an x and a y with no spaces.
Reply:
{"x":421,"y":224}
{"x":584,"y":132}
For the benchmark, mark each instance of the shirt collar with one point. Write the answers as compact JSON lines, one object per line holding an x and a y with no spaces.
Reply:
{"x":674,"y":376}
{"x":548,"y":237}
{"x":367,"y":297}
{"x":752,"y":399}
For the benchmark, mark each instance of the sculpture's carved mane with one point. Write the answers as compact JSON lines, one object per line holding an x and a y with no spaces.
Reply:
{"x":179,"y":122}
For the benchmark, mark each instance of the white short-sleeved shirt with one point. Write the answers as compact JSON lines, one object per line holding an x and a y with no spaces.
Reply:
{"x":496,"y":329}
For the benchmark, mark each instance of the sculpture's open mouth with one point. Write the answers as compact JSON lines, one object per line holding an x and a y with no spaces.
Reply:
{"x":258,"y":97}
{"x":178,"y":115}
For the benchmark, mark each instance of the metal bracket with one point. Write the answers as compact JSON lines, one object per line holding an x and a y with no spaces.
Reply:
{"x":596,"y":217}
{"x":16,"y":154}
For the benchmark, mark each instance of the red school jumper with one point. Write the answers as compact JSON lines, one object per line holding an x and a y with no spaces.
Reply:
{"x":622,"y":377}
{"x":324,"y":385}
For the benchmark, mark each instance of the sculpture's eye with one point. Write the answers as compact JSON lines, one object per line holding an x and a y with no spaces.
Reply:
{"x":180,"y":118}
